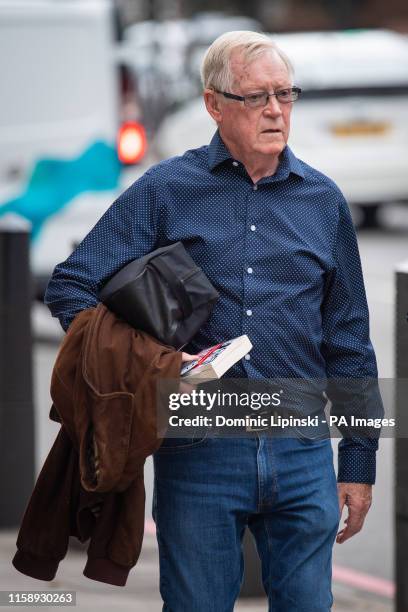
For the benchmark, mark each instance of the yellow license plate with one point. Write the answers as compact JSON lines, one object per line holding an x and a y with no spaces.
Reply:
{"x":360,"y":128}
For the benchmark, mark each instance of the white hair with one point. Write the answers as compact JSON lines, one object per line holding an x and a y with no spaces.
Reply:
{"x":215,"y":68}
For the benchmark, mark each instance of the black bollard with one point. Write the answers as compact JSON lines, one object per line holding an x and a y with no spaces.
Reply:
{"x":401,"y":443}
{"x":16,"y":403}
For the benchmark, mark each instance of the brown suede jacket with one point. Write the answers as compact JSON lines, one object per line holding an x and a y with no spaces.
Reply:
{"x":103,"y":389}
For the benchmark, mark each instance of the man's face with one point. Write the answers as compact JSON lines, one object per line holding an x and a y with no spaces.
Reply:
{"x":264,"y":130}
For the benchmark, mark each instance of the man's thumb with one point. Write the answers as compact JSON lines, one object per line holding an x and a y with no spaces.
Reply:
{"x":188,"y":357}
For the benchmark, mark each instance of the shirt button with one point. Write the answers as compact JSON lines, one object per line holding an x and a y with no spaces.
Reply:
{"x":253,"y":228}
{"x":235,"y":163}
{"x":249,"y":312}
{"x":255,"y":187}
{"x":247,"y":356}
{"x":249,"y":270}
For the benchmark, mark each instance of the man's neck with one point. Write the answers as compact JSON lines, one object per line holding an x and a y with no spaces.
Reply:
{"x":257,"y":169}
{"x":257,"y":166}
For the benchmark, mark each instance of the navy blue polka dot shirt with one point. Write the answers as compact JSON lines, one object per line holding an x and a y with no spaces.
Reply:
{"x":282,"y":253}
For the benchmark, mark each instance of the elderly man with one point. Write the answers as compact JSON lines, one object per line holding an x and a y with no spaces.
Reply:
{"x":276,"y":238}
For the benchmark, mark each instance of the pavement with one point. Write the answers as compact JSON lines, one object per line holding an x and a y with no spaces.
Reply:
{"x":141,"y":594}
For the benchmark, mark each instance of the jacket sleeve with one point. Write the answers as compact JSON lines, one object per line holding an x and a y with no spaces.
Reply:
{"x":125,"y":232}
{"x":44,"y":532}
{"x":349,"y":353}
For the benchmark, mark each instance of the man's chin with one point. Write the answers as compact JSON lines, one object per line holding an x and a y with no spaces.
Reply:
{"x":271,"y":148}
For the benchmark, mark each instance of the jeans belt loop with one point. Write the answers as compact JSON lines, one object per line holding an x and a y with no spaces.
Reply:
{"x":255,"y":427}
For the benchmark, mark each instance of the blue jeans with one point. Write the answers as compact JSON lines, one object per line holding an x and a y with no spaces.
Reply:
{"x":207,"y":490}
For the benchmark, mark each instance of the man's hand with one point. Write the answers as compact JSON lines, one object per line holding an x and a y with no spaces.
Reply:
{"x":184,"y":386}
{"x":357,"y":497}
{"x":188,"y":357}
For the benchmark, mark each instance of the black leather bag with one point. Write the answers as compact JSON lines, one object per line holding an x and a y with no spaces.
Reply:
{"x":163,"y":293}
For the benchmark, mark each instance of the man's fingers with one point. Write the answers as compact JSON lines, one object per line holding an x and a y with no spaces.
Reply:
{"x":184,"y":386}
{"x":354,"y":522}
{"x":353,"y":526}
{"x":188,"y":357}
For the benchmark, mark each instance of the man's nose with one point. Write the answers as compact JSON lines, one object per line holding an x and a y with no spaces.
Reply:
{"x":273,"y":107}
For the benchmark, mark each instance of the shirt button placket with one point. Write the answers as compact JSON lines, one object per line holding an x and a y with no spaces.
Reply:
{"x":248,"y":311}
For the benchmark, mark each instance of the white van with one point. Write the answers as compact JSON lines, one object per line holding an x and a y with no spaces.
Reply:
{"x":351,"y":121}
{"x":60,"y":117}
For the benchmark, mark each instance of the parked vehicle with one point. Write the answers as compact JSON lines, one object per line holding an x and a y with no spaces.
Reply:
{"x":68,"y":121}
{"x":163,"y":55}
{"x":351,"y":121}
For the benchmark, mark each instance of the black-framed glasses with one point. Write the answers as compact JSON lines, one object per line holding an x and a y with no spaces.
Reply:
{"x":258,"y":100}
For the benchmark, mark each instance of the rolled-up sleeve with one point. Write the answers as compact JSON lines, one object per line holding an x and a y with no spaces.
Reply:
{"x":348,"y":350}
{"x":126,"y":231}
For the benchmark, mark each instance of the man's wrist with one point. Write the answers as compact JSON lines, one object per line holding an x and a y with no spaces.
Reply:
{"x":357,"y":465}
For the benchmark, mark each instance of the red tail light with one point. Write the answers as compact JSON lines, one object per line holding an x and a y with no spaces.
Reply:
{"x":132,"y":142}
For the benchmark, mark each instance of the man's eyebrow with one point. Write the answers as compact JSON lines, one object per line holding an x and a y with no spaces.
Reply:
{"x":255,"y":87}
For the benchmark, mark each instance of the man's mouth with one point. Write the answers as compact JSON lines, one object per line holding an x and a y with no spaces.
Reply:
{"x":271,"y":131}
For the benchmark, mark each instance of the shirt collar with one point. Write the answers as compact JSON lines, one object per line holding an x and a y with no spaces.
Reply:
{"x":289,"y":163}
{"x":217,"y":151}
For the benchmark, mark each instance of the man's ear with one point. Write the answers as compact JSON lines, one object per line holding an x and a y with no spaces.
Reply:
{"x":213,"y":105}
